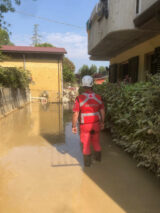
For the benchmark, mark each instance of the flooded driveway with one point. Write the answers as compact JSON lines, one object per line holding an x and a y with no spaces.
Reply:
{"x":41,"y":169}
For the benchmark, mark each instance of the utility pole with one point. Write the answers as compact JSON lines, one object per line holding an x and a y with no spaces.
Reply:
{"x":36,"y":37}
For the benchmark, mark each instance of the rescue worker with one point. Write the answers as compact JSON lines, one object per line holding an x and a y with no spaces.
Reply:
{"x":89,"y":108}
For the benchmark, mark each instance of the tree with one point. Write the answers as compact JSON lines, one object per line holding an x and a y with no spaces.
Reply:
{"x":68,"y":64}
{"x":85,"y":70}
{"x":103,"y":70}
{"x":68,"y":70}
{"x":5,"y":7}
{"x":36,"y":37}
{"x":68,"y":76}
{"x":93,"y":69}
{"x":4,"y":38}
{"x":44,"y":45}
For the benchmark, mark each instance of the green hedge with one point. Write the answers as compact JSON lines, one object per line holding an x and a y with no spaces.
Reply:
{"x":13,"y":77}
{"x":133,"y":114}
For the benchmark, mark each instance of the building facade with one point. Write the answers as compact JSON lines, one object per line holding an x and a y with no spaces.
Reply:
{"x":100,"y":79}
{"x":127,"y":33}
{"x":45,"y":65}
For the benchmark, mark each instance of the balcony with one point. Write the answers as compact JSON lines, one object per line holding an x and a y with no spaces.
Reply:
{"x":111,"y":28}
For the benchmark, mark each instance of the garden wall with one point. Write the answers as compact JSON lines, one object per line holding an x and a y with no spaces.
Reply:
{"x":12,"y":99}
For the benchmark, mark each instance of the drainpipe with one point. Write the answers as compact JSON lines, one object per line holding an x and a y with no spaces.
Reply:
{"x":60,"y":75}
{"x":24,"y":62}
{"x":59,"y":94}
{"x":62,"y":78}
{"x":59,"y":80}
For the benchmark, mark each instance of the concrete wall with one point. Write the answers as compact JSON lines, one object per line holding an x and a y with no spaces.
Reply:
{"x":12,"y":99}
{"x":121,"y":15}
{"x":46,"y":76}
{"x":139,"y":50}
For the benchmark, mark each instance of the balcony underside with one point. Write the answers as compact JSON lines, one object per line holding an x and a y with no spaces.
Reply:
{"x":119,"y":41}
{"x":147,"y":25}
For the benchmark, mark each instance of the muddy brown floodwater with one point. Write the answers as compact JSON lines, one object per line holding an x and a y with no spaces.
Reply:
{"x":41,"y":169}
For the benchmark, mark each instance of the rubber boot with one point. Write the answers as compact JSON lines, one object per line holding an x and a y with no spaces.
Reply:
{"x":87,"y":160}
{"x":98,"y":156}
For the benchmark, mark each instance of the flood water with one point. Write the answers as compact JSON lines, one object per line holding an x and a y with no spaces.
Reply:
{"x":41,"y":169}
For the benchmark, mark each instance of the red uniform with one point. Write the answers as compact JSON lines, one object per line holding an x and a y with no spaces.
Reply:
{"x":88,"y":105}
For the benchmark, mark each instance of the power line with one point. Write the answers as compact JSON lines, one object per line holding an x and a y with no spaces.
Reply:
{"x":49,"y":20}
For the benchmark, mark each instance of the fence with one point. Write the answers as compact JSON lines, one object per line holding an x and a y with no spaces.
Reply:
{"x":53,"y":96}
{"x":11,"y":99}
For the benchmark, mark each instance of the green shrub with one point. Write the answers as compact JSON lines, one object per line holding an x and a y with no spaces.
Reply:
{"x":133,"y":114}
{"x":14,"y":77}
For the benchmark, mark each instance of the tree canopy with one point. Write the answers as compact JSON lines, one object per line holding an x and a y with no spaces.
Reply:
{"x":85,"y":70}
{"x":44,"y":45}
{"x":92,"y":70}
{"x":4,"y":38}
{"x":5,"y":7}
{"x":103,"y":70}
{"x":68,"y":70}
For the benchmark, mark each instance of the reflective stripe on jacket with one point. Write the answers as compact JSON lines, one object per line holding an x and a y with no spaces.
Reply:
{"x":90,"y":104}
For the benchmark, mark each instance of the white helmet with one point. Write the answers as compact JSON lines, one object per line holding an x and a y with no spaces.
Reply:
{"x":87,"y":81}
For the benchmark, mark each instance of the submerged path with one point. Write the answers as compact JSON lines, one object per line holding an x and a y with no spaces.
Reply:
{"x":41,"y":169}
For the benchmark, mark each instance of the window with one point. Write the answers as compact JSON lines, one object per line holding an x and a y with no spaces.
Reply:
{"x":152,"y":62}
{"x":105,"y":7}
{"x":128,"y":70}
{"x":138,"y":6}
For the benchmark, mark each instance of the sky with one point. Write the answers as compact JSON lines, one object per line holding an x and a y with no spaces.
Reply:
{"x":72,"y":12}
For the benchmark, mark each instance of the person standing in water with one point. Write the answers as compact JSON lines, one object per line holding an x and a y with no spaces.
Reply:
{"x":90,"y":109}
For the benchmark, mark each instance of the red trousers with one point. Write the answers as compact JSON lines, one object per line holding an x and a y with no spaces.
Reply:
{"x":90,"y":134}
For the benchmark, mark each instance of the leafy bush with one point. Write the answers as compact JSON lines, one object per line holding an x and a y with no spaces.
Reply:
{"x":13,"y":77}
{"x":133,"y":114}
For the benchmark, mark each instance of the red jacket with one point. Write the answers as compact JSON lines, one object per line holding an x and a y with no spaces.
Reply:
{"x":89,"y":105}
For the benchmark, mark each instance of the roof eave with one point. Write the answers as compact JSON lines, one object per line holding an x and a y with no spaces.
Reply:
{"x":34,"y":52}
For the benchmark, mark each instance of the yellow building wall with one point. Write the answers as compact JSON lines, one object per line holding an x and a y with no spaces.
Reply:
{"x":46,"y":76}
{"x":139,"y":50}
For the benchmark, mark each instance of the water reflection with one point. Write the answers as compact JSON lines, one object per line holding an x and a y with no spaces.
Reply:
{"x":51,"y":123}
{"x":55,"y":127}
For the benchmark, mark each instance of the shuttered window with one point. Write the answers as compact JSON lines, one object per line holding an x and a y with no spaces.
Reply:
{"x":121,"y":72}
{"x":113,"y":73}
{"x":133,"y":69}
{"x":155,"y":61}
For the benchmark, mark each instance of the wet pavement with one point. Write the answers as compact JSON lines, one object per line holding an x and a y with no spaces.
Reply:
{"x":41,"y":169}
